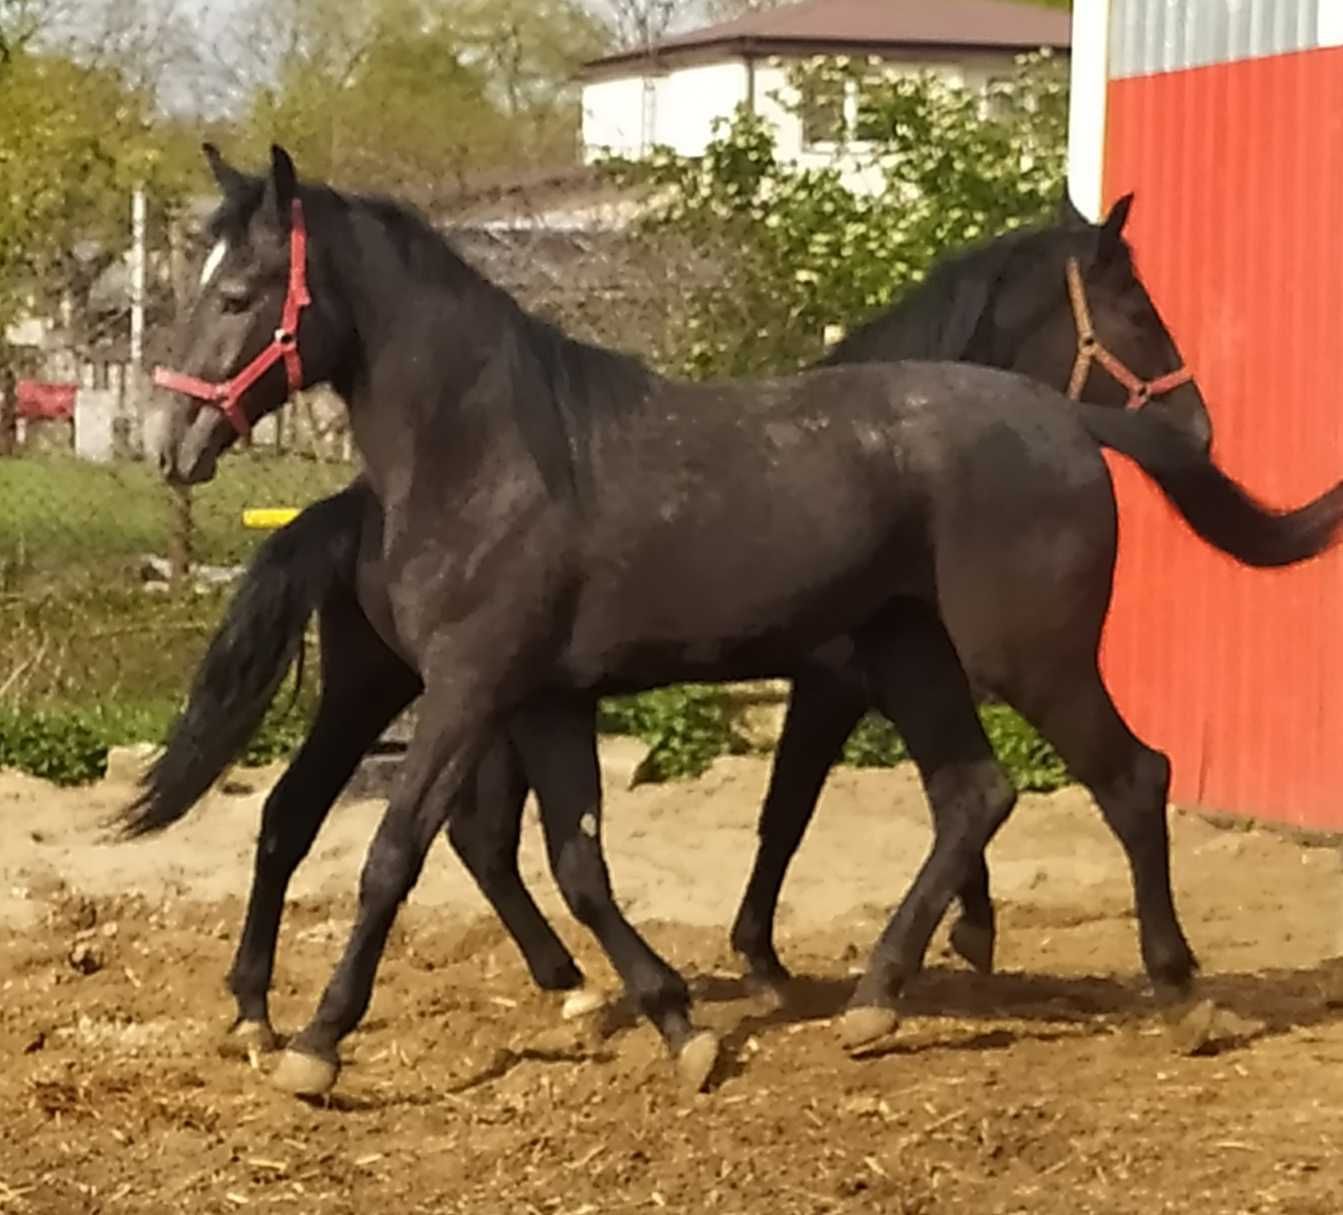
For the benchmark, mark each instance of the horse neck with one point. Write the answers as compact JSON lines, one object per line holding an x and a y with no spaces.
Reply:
{"x":445,"y":383}
{"x":411,"y":361}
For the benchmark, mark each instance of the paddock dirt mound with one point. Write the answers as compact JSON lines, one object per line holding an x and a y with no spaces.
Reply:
{"x":1050,"y":1088}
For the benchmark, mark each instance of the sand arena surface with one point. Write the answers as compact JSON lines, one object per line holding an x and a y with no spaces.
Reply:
{"x":1050,"y":1088}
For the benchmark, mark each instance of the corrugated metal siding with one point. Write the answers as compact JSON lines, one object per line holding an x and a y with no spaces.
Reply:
{"x":1149,"y":36}
{"x":1238,"y":674}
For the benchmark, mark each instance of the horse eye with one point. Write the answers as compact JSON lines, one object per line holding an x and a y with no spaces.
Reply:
{"x":234,"y":297}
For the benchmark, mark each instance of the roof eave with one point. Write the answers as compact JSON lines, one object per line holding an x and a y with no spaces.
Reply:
{"x":757,"y":47}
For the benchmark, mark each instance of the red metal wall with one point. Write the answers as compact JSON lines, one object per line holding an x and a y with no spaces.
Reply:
{"x":1238,"y":226}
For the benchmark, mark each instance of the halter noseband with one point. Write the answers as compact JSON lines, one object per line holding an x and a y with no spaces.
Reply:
{"x":226,"y":395}
{"x":1090,"y":349}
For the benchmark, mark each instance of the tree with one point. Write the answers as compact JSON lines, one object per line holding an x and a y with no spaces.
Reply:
{"x":795,"y":250}
{"x":638,"y":24}
{"x":727,"y":10}
{"x":417,"y":98}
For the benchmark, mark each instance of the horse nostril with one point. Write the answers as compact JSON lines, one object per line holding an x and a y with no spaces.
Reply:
{"x":165,"y":462}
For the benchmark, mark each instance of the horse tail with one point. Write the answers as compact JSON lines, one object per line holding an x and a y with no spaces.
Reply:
{"x":1221,"y":511}
{"x":259,"y":639}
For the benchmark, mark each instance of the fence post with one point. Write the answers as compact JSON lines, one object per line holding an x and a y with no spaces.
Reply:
{"x":9,"y":405}
{"x":179,"y":540}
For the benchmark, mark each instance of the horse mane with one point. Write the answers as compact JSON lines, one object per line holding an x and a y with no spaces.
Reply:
{"x":939,"y":318}
{"x":558,"y":383}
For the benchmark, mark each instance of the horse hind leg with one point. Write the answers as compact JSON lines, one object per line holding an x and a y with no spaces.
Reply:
{"x":484,"y":830}
{"x":1130,"y":782}
{"x":919,"y":683}
{"x":557,"y":741}
{"x":823,"y":710}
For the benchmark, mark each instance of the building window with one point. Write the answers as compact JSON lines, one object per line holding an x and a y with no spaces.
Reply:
{"x":823,"y":113}
{"x":842,"y":113}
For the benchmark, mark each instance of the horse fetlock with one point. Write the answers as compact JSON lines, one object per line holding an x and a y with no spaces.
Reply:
{"x":1171,"y":967}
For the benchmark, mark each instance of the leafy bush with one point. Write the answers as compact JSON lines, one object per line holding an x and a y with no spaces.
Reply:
{"x":66,"y":748}
{"x":687,"y":728}
{"x":792,"y":249}
{"x":1032,"y":763}
{"x":69,"y":745}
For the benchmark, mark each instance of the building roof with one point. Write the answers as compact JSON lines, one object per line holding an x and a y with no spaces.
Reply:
{"x":818,"y":26}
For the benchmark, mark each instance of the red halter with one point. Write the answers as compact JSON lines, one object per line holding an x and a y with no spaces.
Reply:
{"x":1090,"y":349}
{"x":227,"y":396}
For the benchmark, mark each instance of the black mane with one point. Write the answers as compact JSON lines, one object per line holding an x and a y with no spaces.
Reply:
{"x":938,"y":318}
{"x":558,"y":382}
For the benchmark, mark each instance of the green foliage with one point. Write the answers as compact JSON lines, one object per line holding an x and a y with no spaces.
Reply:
{"x":74,"y":140}
{"x":875,"y":744}
{"x":794,"y":249}
{"x":687,"y":728}
{"x":66,"y":748}
{"x":68,"y":745}
{"x":1032,"y":763}
{"x":415,"y":97}
{"x":282,"y":730}
{"x":690,"y":726}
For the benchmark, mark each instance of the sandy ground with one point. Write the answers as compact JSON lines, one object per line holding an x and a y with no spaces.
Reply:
{"x":1049,"y":1087}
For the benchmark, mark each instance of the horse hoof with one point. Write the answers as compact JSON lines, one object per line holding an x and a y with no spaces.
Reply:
{"x":974,"y":943}
{"x":1202,"y":1028}
{"x":771,"y":992}
{"x":1193,"y":1027}
{"x":861,"y":1027}
{"x":695,"y":1062}
{"x":305,"y":1075}
{"x":249,"y":1039}
{"x":580,"y":1002}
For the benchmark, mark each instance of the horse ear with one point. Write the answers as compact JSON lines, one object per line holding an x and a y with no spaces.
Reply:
{"x":230,"y":181}
{"x":282,"y":187}
{"x":1112,"y":228}
{"x":1068,"y":214}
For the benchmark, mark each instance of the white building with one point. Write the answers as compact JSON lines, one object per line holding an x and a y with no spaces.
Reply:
{"x":671,"y":94}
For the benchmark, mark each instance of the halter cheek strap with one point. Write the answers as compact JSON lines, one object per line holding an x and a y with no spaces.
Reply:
{"x":226,"y":395}
{"x":1091,"y":350}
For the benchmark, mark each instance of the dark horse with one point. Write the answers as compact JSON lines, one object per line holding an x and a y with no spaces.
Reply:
{"x":1040,"y":296}
{"x":560,"y":522}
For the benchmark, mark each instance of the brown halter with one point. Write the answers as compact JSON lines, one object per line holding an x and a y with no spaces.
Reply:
{"x":1090,"y":350}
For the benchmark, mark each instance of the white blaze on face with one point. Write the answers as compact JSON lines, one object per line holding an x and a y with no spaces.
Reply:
{"x":212,"y":262}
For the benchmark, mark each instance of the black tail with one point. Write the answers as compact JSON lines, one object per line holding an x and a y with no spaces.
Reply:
{"x":249,"y":656}
{"x":1218,"y":509}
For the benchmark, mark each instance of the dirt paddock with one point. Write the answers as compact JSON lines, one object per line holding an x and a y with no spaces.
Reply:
{"x":1048,"y":1088}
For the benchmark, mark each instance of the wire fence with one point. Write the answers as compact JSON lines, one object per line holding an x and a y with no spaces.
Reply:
{"x":110,"y":582}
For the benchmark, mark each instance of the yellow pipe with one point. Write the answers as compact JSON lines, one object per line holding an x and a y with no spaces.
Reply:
{"x":269,"y":516}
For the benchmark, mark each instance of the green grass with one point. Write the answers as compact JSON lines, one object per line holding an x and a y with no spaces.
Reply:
{"x":77,"y":627}
{"x":63,"y":516}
